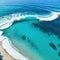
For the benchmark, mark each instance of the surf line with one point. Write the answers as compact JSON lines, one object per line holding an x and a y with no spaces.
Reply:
{"x":50,"y":18}
{"x":17,"y":17}
{"x":7,"y":46}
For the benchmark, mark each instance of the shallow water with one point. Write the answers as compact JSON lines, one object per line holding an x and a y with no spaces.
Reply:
{"x":37,"y":40}
{"x":34,"y":38}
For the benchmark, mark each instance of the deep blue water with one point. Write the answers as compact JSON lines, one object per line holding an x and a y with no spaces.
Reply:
{"x":23,"y":9}
{"x":27,"y":9}
{"x":37,"y":39}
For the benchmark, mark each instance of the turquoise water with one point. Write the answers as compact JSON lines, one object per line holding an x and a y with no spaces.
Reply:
{"x":32,"y":41}
{"x":37,"y":40}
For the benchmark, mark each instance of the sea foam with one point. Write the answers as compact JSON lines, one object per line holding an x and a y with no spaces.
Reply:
{"x":7,"y":21}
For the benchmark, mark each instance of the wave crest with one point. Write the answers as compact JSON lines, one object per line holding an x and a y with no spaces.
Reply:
{"x":8,"y":20}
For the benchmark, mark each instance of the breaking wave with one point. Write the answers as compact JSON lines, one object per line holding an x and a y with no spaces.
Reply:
{"x":6,"y":21}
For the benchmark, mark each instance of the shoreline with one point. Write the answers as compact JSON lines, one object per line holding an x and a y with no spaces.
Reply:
{"x":4,"y":54}
{"x":11,"y":51}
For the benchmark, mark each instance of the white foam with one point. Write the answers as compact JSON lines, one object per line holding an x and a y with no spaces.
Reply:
{"x":6,"y":45}
{"x":1,"y":32}
{"x":2,"y":38}
{"x":13,"y":52}
{"x":58,"y":13}
{"x":6,"y":25}
{"x":8,"y":20}
{"x":53,"y":17}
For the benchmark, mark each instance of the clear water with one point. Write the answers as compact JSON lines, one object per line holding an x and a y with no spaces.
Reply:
{"x":37,"y":40}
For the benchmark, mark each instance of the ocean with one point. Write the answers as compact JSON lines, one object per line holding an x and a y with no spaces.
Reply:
{"x":35,"y":39}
